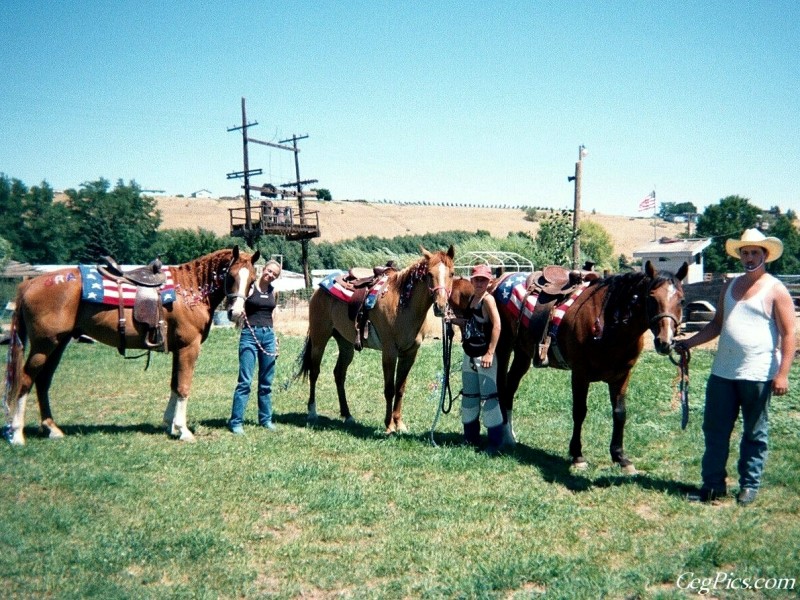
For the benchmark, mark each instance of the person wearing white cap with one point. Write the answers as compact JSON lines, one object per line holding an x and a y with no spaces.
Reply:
{"x":756,"y":327}
{"x":480,"y":334}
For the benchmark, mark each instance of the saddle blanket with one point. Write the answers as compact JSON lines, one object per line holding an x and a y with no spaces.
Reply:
{"x":512,"y":292}
{"x":100,"y":290}
{"x":331,"y":285}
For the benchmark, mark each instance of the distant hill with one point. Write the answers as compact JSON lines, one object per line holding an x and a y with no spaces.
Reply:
{"x":341,"y":220}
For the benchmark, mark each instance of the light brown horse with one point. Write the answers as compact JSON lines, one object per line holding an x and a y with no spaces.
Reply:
{"x":50,"y":312}
{"x":396,"y":321}
{"x":599,"y":339}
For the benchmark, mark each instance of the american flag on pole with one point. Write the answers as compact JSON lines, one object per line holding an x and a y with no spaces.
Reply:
{"x":648,"y":202}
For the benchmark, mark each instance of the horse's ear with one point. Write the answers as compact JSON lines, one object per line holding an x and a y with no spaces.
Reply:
{"x":451,"y":252}
{"x":236,"y":253}
{"x":682,"y":272}
{"x":255,"y":256}
{"x":425,"y":253}
{"x":650,"y":270}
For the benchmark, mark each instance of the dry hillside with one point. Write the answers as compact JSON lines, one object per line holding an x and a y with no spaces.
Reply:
{"x":342,"y":220}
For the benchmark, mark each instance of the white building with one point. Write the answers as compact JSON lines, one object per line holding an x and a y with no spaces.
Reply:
{"x":669,"y":254}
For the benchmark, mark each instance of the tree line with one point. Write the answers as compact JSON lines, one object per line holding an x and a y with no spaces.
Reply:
{"x":99,"y":219}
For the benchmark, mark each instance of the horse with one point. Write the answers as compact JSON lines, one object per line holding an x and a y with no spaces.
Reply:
{"x":50,"y":311}
{"x":396,"y":322}
{"x":599,"y":338}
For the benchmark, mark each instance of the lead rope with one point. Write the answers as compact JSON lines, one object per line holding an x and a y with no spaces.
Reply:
{"x":682,"y":381}
{"x":445,"y":403}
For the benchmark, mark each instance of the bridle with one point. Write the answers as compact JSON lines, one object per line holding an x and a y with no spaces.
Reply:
{"x":437,"y":310}
{"x":653,"y":321}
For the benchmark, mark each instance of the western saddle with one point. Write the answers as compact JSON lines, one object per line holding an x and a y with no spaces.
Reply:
{"x":147,"y":306}
{"x":360,"y":281}
{"x":552,"y":285}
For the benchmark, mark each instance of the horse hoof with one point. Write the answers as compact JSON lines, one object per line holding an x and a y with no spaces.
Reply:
{"x":629,"y":469}
{"x":52,"y":430}
{"x":579,"y":465}
{"x":13,"y":436}
{"x":187,"y":436}
{"x":400,"y":427}
{"x":349,"y":420}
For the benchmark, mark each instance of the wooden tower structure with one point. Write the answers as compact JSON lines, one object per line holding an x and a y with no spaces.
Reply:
{"x":280,"y":210}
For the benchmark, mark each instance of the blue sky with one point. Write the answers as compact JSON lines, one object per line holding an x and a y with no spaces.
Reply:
{"x":470,"y":102}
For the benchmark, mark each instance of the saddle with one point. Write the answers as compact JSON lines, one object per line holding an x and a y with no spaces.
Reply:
{"x":361,"y":281}
{"x":147,"y":307}
{"x":552,"y":285}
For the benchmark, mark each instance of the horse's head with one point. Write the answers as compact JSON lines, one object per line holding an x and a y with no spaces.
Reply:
{"x":440,"y":276}
{"x":664,"y":306}
{"x":239,"y":276}
{"x":460,"y":295}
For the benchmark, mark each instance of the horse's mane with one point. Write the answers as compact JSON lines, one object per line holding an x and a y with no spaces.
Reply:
{"x":407,"y":278}
{"x":627,"y":290}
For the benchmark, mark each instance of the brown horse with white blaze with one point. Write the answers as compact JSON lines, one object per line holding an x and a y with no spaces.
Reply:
{"x":396,"y":322}
{"x":599,"y":338}
{"x":50,"y":311}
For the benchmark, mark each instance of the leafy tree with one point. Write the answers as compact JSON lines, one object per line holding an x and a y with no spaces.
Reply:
{"x":721,"y":221}
{"x":785,"y":229}
{"x":554,"y":240}
{"x":120,"y":222}
{"x":5,"y":253}
{"x":28,"y":217}
{"x":669,"y":209}
{"x":12,"y":192}
{"x":323,"y":194}
{"x":597,"y":246}
{"x":47,"y":220}
{"x":176,"y":246}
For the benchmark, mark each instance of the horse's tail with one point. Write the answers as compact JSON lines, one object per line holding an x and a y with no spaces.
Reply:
{"x":16,"y":351}
{"x":304,"y":360}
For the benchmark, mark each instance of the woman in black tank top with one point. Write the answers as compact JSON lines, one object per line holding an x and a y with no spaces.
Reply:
{"x":257,"y":344}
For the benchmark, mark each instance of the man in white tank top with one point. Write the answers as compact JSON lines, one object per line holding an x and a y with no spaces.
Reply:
{"x":755,"y":323}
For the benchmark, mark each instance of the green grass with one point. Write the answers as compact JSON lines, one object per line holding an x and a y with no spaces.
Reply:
{"x":119,"y":510}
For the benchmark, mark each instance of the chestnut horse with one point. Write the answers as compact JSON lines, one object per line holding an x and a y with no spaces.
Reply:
{"x":50,"y":312}
{"x":599,"y":338}
{"x":396,"y":321}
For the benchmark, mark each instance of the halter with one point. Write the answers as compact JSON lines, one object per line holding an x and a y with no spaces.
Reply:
{"x":653,"y":321}
{"x":417,"y":273}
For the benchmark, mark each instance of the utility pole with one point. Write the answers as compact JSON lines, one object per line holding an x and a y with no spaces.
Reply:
{"x":576,"y":215}
{"x":301,"y":203}
{"x":250,"y":237}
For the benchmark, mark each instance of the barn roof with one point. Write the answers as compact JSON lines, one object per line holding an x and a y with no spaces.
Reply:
{"x":667,"y":246}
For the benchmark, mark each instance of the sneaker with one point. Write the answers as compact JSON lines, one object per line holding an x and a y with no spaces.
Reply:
{"x":746,"y":496}
{"x":237,"y":429}
{"x":269,"y":425}
{"x":706,"y":495}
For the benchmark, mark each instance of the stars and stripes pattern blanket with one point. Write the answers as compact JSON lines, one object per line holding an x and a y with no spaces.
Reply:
{"x":513,"y":293}
{"x":338,"y":291}
{"x":330,"y":285}
{"x":100,"y":290}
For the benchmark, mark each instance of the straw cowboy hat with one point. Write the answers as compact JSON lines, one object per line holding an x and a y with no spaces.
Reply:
{"x":753,"y":237}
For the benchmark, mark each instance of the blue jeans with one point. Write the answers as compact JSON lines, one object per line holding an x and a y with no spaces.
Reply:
{"x":249,"y":353}
{"x":724,"y":398}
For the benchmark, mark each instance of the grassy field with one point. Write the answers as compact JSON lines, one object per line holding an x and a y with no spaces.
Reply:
{"x":119,"y":510}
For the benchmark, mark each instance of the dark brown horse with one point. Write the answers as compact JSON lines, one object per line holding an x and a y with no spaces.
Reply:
{"x":599,"y":338}
{"x":50,"y":312}
{"x":396,"y":323}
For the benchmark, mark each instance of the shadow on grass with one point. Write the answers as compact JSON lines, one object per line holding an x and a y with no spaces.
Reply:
{"x":107,"y":428}
{"x":557,"y":469}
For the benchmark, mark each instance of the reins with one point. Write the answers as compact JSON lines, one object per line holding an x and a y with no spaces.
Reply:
{"x":682,"y":379}
{"x":445,"y":403}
